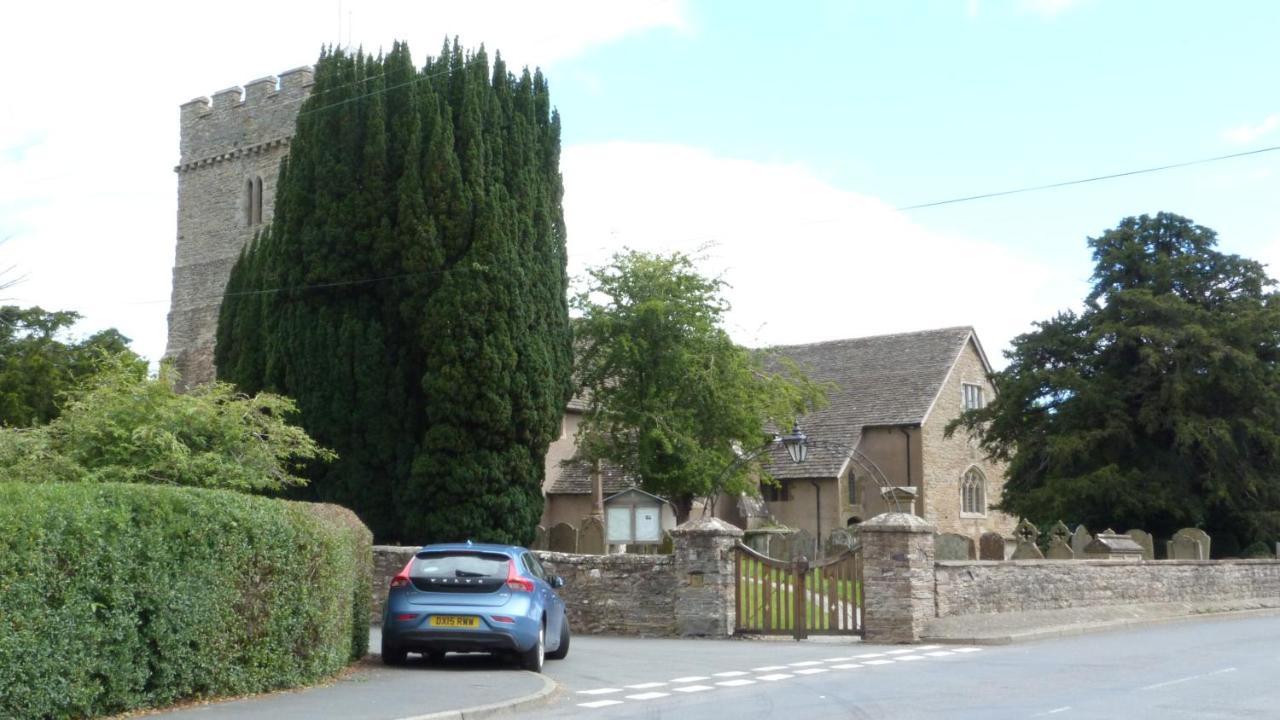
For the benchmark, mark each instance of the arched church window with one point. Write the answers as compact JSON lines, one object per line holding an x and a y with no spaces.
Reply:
{"x":973,"y":492}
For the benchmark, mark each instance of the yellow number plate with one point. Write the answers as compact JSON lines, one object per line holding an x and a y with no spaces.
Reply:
{"x":454,"y":621}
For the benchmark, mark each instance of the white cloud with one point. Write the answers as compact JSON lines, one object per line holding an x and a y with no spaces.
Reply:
{"x":1245,"y":134}
{"x":806,"y":261}
{"x":89,"y":134}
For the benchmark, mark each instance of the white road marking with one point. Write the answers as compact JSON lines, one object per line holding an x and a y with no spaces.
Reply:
{"x":940,"y":653}
{"x":646,"y":686}
{"x":601,"y":691}
{"x":812,"y":671}
{"x":968,"y":649}
{"x":907,"y":658}
{"x":878,"y":662}
{"x":769,"y":668}
{"x":846,"y":666}
{"x":600,"y":703}
{"x":868,"y":655}
{"x":692,"y":688}
{"x":1167,"y":683}
{"x":648,"y":696}
{"x":775,"y":677}
{"x":839,"y":659}
{"x":735,"y":683}
{"x":1054,"y":711}
{"x":922,"y":648}
{"x":731,"y":673}
{"x":806,"y":663}
{"x":691,"y":678}
{"x":903,"y":651}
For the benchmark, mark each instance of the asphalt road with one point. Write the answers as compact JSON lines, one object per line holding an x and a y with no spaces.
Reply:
{"x":1208,"y":669}
{"x":1217,"y":668}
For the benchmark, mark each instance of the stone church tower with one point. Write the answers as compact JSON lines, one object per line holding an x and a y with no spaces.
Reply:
{"x":231,"y":150}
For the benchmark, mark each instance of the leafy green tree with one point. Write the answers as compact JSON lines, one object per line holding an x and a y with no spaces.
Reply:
{"x":422,"y":325}
{"x":38,"y":362}
{"x":1156,"y":406}
{"x":122,"y":426}
{"x":673,"y":400}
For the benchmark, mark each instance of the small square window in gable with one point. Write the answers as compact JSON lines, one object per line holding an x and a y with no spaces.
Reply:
{"x":973,"y":396}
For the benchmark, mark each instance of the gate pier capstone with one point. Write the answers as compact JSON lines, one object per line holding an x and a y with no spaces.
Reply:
{"x":702,"y":556}
{"x":897,"y":577}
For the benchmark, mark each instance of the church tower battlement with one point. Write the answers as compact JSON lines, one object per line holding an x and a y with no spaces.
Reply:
{"x":230,"y":150}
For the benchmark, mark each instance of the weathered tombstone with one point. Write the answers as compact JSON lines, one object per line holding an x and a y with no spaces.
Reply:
{"x":801,"y":545}
{"x":591,"y":536}
{"x":1079,"y":539}
{"x":838,"y":540}
{"x":1182,"y":547}
{"x":563,"y":538}
{"x":1144,"y":539}
{"x":540,"y":538}
{"x":667,"y":544}
{"x":1199,"y":536}
{"x":951,"y":546}
{"x":1113,"y":546}
{"x":991,"y":546}
{"x":1027,"y":534}
{"x":779,"y":545}
{"x":1060,"y":543}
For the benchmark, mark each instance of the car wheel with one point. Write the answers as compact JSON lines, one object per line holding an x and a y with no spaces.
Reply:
{"x":392,"y":655}
{"x":532,"y":658}
{"x":563,"y":648}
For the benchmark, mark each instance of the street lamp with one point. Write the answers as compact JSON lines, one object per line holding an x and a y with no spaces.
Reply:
{"x":796,"y":444}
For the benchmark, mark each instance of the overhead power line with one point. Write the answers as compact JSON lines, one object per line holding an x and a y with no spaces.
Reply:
{"x":1082,"y":181}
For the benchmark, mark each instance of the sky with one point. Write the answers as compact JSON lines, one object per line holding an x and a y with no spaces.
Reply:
{"x":772,"y":141}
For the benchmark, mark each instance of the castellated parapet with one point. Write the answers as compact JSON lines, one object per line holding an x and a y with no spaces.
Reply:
{"x":230,"y":151}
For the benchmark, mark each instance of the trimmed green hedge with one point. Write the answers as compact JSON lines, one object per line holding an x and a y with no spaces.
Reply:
{"x":115,"y":597}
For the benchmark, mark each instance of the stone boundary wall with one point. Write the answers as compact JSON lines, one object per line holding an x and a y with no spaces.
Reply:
{"x":617,"y":594}
{"x":976,"y":587}
{"x":603,"y":594}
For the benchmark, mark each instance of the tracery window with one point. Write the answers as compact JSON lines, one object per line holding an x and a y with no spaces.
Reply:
{"x":973,"y":492}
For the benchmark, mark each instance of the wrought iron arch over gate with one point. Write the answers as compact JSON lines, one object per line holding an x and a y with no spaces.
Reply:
{"x":796,"y":598}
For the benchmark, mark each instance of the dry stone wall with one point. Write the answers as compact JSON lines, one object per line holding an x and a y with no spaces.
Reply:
{"x":616,"y":594}
{"x":965,"y":588}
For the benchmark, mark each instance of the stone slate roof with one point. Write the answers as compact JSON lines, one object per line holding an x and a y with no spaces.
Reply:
{"x":881,"y":380}
{"x":575,"y":479}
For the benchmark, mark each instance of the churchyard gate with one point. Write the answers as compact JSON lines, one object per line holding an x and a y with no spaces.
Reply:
{"x":796,"y":598}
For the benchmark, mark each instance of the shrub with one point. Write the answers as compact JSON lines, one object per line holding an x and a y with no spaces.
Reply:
{"x":115,"y":597}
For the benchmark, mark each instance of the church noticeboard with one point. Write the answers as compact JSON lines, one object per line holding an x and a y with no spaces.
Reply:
{"x":633,"y":516}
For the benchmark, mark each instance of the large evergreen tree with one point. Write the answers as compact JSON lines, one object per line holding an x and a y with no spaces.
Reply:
{"x":1158,"y":405}
{"x":410,"y":292}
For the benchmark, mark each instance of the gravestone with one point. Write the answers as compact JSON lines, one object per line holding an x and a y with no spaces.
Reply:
{"x":591,"y":536}
{"x":1027,"y":535}
{"x":1060,"y":543}
{"x":540,"y":538}
{"x":838,"y":541}
{"x":1113,"y":546}
{"x":668,"y":545}
{"x":778,"y":545}
{"x":1198,"y":536}
{"x":952,"y":546}
{"x":1079,"y":539}
{"x":801,"y":544}
{"x":991,"y":546}
{"x":1182,"y":547}
{"x":563,"y":538}
{"x":1143,"y":538}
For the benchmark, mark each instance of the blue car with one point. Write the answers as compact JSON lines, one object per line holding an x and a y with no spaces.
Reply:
{"x":467,"y":597}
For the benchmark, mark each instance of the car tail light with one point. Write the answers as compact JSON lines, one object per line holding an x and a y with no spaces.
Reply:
{"x":402,"y":578}
{"x":507,"y":620}
{"x":515,"y":581}
{"x":406,"y":616}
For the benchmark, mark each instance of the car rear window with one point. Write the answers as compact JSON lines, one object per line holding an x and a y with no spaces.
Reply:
{"x":460,"y":565}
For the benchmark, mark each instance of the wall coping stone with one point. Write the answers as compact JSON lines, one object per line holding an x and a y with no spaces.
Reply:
{"x":707,"y":526}
{"x":1103,"y":563}
{"x":897,"y":523}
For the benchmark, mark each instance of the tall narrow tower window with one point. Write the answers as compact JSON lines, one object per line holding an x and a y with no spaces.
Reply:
{"x":256,"y":204}
{"x":248,"y":202}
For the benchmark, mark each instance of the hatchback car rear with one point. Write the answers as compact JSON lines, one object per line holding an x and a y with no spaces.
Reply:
{"x":475,"y":598}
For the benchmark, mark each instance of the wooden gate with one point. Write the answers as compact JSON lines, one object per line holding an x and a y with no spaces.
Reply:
{"x":776,"y":597}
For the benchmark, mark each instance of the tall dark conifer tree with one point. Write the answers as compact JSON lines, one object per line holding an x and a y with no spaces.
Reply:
{"x":420,"y":320}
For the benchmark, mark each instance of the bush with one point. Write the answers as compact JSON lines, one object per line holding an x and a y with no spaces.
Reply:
{"x":115,"y":597}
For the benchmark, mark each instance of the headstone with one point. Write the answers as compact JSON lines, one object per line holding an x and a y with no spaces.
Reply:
{"x":667,"y":544}
{"x":952,"y":546}
{"x":1182,"y":547}
{"x":1199,"y":536}
{"x":1060,"y":543}
{"x":1113,"y":546}
{"x":991,"y":546}
{"x":779,"y":545}
{"x":1027,"y":534}
{"x":563,"y":538}
{"x":801,"y":545}
{"x":1143,"y":538}
{"x":900,"y":499}
{"x":1079,"y":539}
{"x":540,"y":538}
{"x":591,"y":536}
{"x":838,"y":541}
